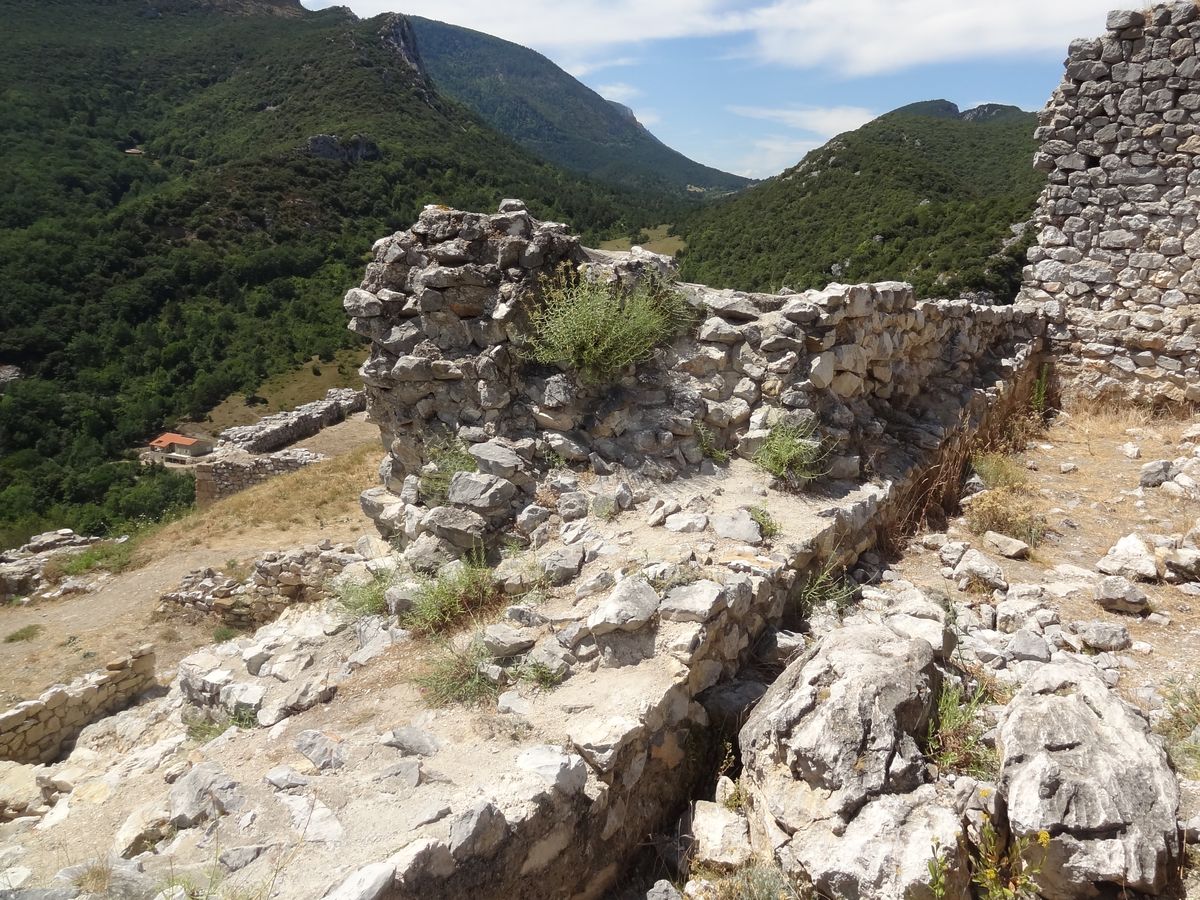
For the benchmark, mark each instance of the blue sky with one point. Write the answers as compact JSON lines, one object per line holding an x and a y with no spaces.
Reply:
{"x":750,"y":86}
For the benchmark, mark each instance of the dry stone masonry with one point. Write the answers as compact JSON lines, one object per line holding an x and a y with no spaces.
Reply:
{"x":283,"y":429}
{"x":1114,"y":267}
{"x":37,"y":730}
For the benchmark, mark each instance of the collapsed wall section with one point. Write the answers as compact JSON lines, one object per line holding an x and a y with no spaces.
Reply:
{"x":1114,"y":267}
{"x":446,"y":305}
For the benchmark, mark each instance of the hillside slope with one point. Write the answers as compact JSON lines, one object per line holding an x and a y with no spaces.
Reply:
{"x":926,"y":194}
{"x":527,"y":97}
{"x":169,"y":234}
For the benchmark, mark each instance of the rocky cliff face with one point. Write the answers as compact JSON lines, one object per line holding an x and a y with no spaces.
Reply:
{"x":1115,"y":264}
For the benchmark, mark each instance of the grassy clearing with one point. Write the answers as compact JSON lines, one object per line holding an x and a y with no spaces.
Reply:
{"x":313,"y":497}
{"x":451,"y":457}
{"x":28,"y":633}
{"x":767,"y":524}
{"x":1009,"y":511}
{"x":599,"y":330}
{"x":1179,"y":724}
{"x":448,"y":600}
{"x":360,"y":600}
{"x":793,"y":452}
{"x":657,"y":240}
{"x":454,"y":676}
{"x":955,"y":738}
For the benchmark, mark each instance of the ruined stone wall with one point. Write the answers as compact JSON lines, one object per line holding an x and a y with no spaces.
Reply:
{"x":233,"y":471}
{"x":282,"y":429}
{"x":446,"y":305}
{"x":36,"y":731}
{"x":1114,"y":266}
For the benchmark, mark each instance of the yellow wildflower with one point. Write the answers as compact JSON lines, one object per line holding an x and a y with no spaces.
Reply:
{"x":1044,"y":838}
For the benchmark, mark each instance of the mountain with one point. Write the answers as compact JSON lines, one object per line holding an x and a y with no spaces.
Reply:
{"x":926,"y":193}
{"x":527,"y":97}
{"x":187,"y":187}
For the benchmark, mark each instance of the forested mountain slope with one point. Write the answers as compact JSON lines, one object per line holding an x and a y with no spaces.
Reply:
{"x":527,"y":97}
{"x":139,"y":286}
{"x":926,"y":194}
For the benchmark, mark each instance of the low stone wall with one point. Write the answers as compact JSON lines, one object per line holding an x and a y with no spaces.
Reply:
{"x":285,"y":428}
{"x":234,"y":471}
{"x":37,"y":731}
{"x":1114,"y":268}
{"x":279,"y":580}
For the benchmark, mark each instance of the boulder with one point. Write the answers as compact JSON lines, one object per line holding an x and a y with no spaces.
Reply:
{"x":977,"y":568}
{"x":1006,"y":546}
{"x":1104,"y":636}
{"x":1131,"y":558}
{"x":1082,"y":766}
{"x":322,"y":750}
{"x":1118,"y":594}
{"x":204,"y":793}
{"x":738,"y":526}
{"x":460,"y":527}
{"x":720,"y":836}
{"x":630,"y":606}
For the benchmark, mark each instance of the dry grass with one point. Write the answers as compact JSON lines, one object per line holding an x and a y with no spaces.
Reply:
{"x":313,"y":497}
{"x":1009,"y":511}
{"x":1093,"y":423}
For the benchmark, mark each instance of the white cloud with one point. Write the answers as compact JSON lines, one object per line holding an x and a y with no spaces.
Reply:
{"x":647,"y":117}
{"x":825,"y":121}
{"x":621,"y":92}
{"x":850,"y":37}
{"x":771,"y":155}
{"x":580,"y":68}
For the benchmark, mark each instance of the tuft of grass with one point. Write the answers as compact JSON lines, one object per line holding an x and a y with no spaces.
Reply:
{"x":107,"y":556}
{"x":28,"y":633}
{"x":1039,"y":395}
{"x":358,"y":601}
{"x":998,"y":470}
{"x":96,"y":878}
{"x":201,"y":730}
{"x":760,"y":880}
{"x":793,"y":452}
{"x":706,"y":439}
{"x":766,"y":522}
{"x":827,"y":588}
{"x":454,"y":676}
{"x":450,"y":456}
{"x":541,"y":675}
{"x":1182,"y":708}
{"x":1008,"y":511}
{"x":598,"y":330}
{"x":955,"y":737}
{"x":223,"y":633}
{"x":448,"y":600}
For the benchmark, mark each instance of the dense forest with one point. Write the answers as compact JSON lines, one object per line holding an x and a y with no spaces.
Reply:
{"x":522,"y":94}
{"x":924,"y":194}
{"x":138,"y":287}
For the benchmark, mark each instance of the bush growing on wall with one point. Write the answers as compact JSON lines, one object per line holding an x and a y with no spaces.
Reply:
{"x":598,"y":330}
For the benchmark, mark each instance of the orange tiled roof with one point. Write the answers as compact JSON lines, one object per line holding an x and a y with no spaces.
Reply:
{"x":165,"y":440}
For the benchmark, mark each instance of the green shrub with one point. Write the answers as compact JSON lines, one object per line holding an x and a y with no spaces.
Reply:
{"x":107,"y":556}
{"x":223,"y":633}
{"x":447,"y":600}
{"x":541,"y":675}
{"x":454,"y":676}
{"x":28,"y":633}
{"x":361,"y":600}
{"x":767,"y":525}
{"x":955,"y":737}
{"x":598,"y":330}
{"x":827,"y":588}
{"x":997,"y":470}
{"x":793,"y":451}
{"x":450,"y":457}
{"x":705,"y":438}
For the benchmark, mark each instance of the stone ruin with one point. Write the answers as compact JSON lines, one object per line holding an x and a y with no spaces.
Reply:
{"x":1114,"y":268}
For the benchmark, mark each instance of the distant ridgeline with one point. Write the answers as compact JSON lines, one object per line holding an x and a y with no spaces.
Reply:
{"x":926,"y":193}
{"x":185,"y":188}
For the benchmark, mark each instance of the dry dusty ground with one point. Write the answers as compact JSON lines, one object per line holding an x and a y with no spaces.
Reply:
{"x":81,"y":632}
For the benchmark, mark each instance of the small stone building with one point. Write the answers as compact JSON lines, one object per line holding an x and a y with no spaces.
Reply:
{"x":170,"y":444}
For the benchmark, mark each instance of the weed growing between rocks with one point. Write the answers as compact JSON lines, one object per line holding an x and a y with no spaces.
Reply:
{"x":998,"y":470}
{"x":202,"y":730}
{"x":599,"y":330}
{"x":955,"y":738}
{"x":1007,"y":870}
{"x":828,"y":588}
{"x":793,"y":452}
{"x":706,"y":439}
{"x":456,"y":676}
{"x":28,"y":633}
{"x":1181,"y":727}
{"x":767,"y":525}
{"x":360,"y":600}
{"x":96,"y":878}
{"x":761,"y":880}
{"x":223,"y":633}
{"x":444,"y":602}
{"x":1007,"y":511}
{"x":449,"y":457}
{"x":541,"y":675}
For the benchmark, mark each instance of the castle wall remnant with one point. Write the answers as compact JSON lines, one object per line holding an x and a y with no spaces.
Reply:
{"x":235,"y":470}
{"x":1114,"y":268}
{"x":36,"y":731}
{"x":282,"y":429}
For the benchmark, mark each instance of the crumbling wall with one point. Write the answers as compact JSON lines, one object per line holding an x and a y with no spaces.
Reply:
{"x":282,"y":429}
{"x":235,"y":470}
{"x":36,"y":731}
{"x":1114,"y":266}
{"x":446,"y":304}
